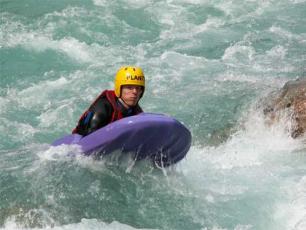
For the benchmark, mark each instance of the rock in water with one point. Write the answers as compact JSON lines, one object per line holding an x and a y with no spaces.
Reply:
{"x":291,"y":99}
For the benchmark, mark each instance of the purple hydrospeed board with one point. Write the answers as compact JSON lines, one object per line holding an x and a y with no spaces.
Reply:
{"x":158,"y":137}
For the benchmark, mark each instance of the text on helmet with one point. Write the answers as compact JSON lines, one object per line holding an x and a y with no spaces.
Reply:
{"x":138,"y":78}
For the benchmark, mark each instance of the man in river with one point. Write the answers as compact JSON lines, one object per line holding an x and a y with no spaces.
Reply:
{"x":112,"y":105}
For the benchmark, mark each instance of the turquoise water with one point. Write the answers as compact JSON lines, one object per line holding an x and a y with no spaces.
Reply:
{"x":207,"y":63}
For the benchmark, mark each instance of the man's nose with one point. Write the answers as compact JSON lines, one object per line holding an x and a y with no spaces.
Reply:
{"x":135,"y":90}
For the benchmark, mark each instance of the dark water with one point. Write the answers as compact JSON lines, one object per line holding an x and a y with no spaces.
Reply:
{"x":207,"y":63}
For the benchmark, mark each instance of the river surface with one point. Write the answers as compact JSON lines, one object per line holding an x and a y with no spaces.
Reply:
{"x":207,"y":63}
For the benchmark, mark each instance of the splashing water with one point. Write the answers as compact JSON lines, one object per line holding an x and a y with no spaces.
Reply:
{"x":207,"y":63}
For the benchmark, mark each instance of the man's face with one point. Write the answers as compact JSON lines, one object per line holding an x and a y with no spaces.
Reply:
{"x":130,"y":94}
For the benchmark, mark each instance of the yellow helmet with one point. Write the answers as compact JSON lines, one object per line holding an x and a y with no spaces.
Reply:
{"x":129,"y":75}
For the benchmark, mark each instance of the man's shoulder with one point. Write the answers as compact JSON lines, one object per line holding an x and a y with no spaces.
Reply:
{"x":101,"y":104}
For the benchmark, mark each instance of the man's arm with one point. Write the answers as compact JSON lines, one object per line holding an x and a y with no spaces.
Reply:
{"x":98,"y":116}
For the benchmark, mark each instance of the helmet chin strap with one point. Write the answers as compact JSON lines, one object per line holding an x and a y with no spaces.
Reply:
{"x":124,"y":103}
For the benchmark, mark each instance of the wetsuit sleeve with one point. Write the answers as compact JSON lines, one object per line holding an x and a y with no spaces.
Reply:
{"x":102,"y":115}
{"x":98,"y":115}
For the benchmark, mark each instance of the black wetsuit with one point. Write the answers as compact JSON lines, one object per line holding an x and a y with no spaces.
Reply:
{"x":100,"y":114}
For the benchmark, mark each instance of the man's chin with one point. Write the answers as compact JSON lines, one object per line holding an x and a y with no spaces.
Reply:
{"x":132,"y":104}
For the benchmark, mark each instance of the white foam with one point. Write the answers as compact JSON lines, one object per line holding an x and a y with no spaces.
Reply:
{"x":42,"y":93}
{"x":19,"y":131}
{"x":39,"y":93}
{"x":248,"y":78}
{"x":297,"y":1}
{"x":61,"y":152}
{"x":73,"y":48}
{"x":93,"y":224}
{"x":12,"y":223}
{"x":246,"y":154}
{"x":181,"y":62}
{"x":294,"y":210}
{"x":53,"y":100}
{"x":135,"y":4}
{"x":285,"y":33}
{"x":16,"y":34}
{"x":178,"y":29}
{"x":60,"y":116}
{"x":68,"y":12}
{"x":278,"y":52}
{"x":239,"y":53}
{"x":100,"y":2}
